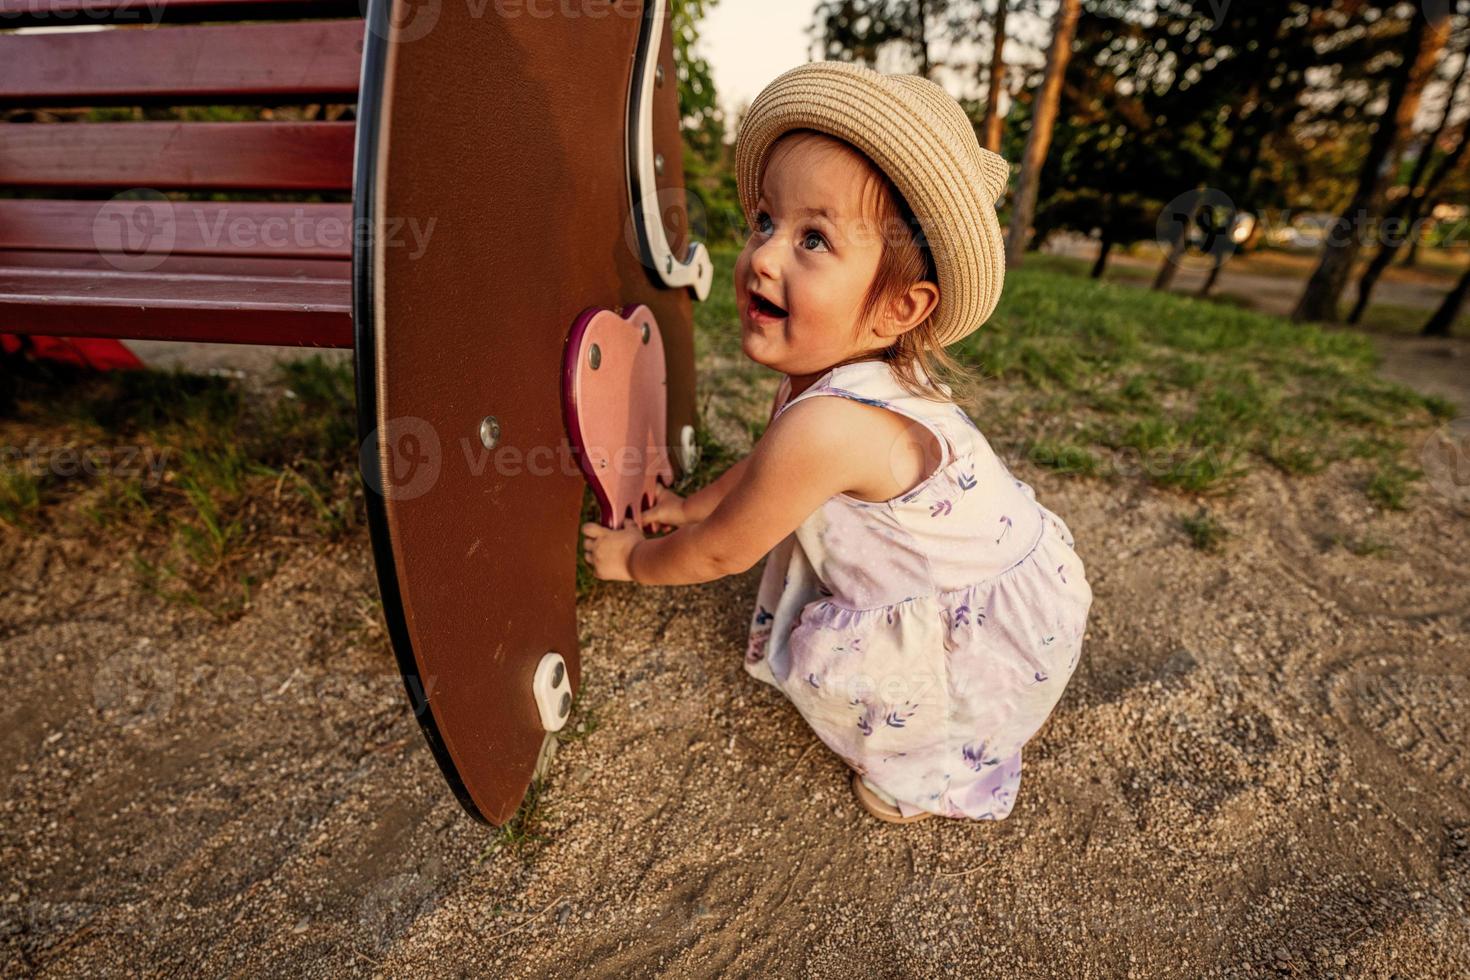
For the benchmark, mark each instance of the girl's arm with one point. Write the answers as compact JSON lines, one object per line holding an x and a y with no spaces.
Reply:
{"x":702,"y":503}
{"x":810,"y":454}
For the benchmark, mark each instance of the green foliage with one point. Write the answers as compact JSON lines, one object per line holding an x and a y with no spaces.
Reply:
{"x":703,"y":121}
{"x":709,"y":176}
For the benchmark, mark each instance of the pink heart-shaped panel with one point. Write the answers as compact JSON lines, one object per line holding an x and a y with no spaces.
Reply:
{"x":614,"y":391}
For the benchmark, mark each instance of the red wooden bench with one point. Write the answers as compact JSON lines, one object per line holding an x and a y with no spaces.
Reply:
{"x":84,"y":253}
{"x":544,"y":153}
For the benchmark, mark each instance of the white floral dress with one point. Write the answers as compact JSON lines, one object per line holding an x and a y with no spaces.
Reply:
{"x":924,"y":638}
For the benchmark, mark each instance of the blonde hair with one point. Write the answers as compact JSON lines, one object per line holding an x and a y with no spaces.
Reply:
{"x":905,"y":260}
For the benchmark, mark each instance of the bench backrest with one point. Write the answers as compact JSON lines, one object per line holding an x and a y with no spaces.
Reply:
{"x":140,"y":143}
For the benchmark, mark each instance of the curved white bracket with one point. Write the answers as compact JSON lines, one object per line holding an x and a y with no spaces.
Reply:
{"x":695,"y":270}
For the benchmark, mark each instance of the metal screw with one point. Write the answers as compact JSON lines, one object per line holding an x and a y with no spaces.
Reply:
{"x":658,"y":164}
{"x":557,"y":675}
{"x":658,"y":75}
{"x":489,"y":431}
{"x":566,"y":704}
{"x":645,"y":333}
{"x":594,"y":357}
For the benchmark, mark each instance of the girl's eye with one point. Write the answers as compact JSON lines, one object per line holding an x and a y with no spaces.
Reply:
{"x":762,"y":219}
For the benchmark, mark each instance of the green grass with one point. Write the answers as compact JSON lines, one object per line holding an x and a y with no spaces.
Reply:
{"x":1405,"y":320}
{"x":211,"y":471}
{"x":1203,"y":530}
{"x":20,"y":494}
{"x":526,"y":830}
{"x":1181,"y":393}
{"x":1388,"y":487}
{"x":1096,"y":379}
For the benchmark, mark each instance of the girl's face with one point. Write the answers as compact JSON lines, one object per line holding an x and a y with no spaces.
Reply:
{"x":811,"y":256}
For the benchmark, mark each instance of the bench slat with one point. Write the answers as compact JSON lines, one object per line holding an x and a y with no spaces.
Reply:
{"x":70,"y":13}
{"x":207,"y":265}
{"x":244,"y":228}
{"x":236,"y":63}
{"x":202,"y":156}
{"x":150,"y":306}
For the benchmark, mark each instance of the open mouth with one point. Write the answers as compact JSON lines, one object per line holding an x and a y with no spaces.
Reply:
{"x":760,"y":306}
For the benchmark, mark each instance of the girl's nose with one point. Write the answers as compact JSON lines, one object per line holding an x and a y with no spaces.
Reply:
{"x":765,"y":260}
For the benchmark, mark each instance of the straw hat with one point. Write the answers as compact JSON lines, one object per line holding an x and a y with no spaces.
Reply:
{"x":918,"y":135}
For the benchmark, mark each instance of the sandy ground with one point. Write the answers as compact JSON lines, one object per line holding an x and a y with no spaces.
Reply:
{"x":1258,"y":770}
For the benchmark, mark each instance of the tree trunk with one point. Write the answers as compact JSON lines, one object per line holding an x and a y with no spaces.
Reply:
{"x":1178,"y":243}
{"x":991,"y":131}
{"x":1410,"y":207}
{"x":1219,"y":253}
{"x":1444,"y":318}
{"x":921,"y":41}
{"x":1423,"y":42}
{"x":1043,"y":119}
{"x":1411,"y":257}
{"x":1101,"y":265}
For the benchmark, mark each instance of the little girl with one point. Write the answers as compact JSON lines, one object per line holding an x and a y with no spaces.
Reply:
{"x":918,"y":606}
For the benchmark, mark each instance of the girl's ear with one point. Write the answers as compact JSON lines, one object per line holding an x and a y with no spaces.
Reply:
{"x":909,"y":310}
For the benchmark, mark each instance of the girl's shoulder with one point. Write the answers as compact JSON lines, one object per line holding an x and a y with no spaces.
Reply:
{"x":942,"y":435}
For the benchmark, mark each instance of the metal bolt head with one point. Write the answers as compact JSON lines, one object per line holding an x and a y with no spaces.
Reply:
{"x":646,"y":333}
{"x":658,"y":164}
{"x":489,"y":431}
{"x":594,"y":357}
{"x":566,"y":704}
{"x":558,"y":674}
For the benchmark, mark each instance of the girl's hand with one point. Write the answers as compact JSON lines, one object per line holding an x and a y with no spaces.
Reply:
{"x":607,"y":550}
{"x":666,"y":512}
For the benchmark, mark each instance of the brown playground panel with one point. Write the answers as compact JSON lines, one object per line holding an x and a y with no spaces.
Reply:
{"x":509,"y":134}
{"x":505,"y":136}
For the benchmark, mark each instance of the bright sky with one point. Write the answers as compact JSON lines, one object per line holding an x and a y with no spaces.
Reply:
{"x":749,"y":42}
